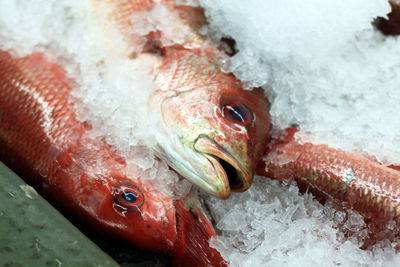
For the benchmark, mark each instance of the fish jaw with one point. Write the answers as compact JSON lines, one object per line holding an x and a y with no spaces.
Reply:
{"x":202,"y":171}
{"x":195,"y":137}
{"x":239,"y":177}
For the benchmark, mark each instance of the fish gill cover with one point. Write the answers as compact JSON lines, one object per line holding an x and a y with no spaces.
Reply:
{"x":321,"y":63}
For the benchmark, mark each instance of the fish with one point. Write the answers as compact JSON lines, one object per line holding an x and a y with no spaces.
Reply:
{"x":41,"y":138}
{"x":349,"y":180}
{"x":216,"y":130}
{"x":213,"y":133}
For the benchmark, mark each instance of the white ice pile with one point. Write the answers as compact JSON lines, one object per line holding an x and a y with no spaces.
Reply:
{"x":326,"y":69}
{"x":323,"y":66}
{"x":272,"y":225}
{"x":113,"y":89}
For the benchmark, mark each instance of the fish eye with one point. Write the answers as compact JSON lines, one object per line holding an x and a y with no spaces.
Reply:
{"x":238,"y":113}
{"x":129,"y":196}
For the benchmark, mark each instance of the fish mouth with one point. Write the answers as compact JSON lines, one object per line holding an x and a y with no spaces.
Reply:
{"x":226,"y":166}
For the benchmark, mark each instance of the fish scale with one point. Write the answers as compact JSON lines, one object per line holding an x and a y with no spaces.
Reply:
{"x":44,"y":125}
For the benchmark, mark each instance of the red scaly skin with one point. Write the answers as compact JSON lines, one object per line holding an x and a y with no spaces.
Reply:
{"x":42,"y":140}
{"x":349,"y":179}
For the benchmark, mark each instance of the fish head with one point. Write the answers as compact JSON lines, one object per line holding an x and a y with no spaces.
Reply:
{"x":213,"y":130}
{"x":117,"y":202}
{"x":156,"y":222}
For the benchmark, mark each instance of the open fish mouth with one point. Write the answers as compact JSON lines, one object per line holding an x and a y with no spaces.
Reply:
{"x":235,"y":180}
{"x":226,"y":166}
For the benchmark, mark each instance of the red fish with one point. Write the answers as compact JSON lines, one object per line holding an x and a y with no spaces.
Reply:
{"x":350,"y":180}
{"x":214,"y":134}
{"x":41,"y":138}
{"x":213,"y":131}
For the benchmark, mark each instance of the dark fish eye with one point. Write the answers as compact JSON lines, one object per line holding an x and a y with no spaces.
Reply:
{"x":238,"y":112}
{"x":129,"y":196}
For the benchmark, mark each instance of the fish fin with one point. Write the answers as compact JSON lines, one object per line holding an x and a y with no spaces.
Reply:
{"x":192,"y":246}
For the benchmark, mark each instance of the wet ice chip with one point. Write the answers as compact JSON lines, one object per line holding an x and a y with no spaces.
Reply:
{"x":29,"y":191}
{"x":233,"y":220}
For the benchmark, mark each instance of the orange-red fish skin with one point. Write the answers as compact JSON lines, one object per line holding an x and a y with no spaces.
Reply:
{"x":349,"y":179}
{"x":194,"y":249}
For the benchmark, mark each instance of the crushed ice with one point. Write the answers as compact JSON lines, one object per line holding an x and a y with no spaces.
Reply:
{"x":114,"y":87}
{"x":323,"y":67}
{"x":326,"y":69}
{"x":273,"y":225}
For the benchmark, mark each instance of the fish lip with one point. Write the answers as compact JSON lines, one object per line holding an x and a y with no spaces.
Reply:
{"x":198,"y":170}
{"x":222,"y":160}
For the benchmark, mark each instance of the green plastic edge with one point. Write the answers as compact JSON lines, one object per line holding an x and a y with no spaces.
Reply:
{"x":33,"y":233}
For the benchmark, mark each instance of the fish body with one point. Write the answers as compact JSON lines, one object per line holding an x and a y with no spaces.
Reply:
{"x":39,"y":131}
{"x":350,"y":180}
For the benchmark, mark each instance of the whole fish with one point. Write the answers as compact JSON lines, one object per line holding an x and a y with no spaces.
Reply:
{"x":214,"y":135}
